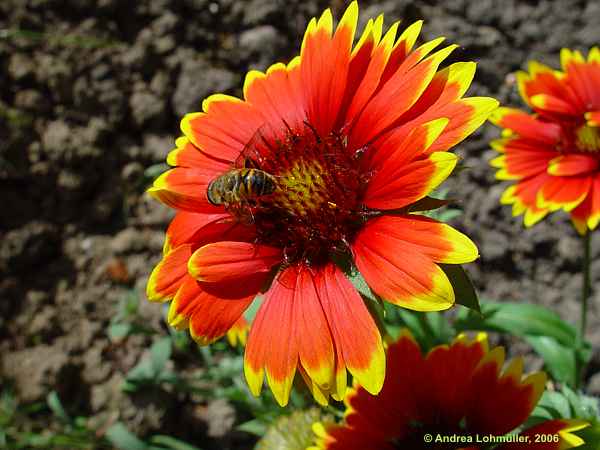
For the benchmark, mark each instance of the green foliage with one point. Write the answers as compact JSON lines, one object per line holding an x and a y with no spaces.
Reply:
{"x":552,"y":338}
{"x":17,"y":432}
{"x":127,"y":321}
{"x":153,"y":369}
{"x":123,"y":439}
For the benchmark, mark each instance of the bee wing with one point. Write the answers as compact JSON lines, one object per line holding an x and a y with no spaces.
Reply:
{"x":256,"y":150}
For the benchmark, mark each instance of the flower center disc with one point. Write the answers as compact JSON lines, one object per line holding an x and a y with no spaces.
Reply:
{"x":587,"y":138}
{"x":315,"y":209}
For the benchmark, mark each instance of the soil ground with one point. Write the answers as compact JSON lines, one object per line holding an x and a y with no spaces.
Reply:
{"x":91,"y":94}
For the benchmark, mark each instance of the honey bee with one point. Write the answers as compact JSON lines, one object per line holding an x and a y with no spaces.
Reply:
{"x":240,"y":187}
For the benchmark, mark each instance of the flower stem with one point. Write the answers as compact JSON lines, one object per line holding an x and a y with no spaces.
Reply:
{"x":586,"y":288}
{"x":587,"y":284}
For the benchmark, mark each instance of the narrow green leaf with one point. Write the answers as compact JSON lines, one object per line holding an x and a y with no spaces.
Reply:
{"x":464,"y":291}
{"x":558,"y":359}
{"x":160,"y":353}
{"x":171,"y":443}
{"x":254,"y":426}
{"x":118,"y":331}
{"x":123,"y":439}
{"x":56,"y":407}
{"x":591,"y":437}
{"x":429,"y":204}
{"x":519,"y":319}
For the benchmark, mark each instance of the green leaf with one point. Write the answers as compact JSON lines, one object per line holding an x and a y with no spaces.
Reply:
{"x":464,"y":291}
{"x":123,"y":439}
{"x":56,"y":407}
{"x":519,"y":319}
{"x":118,"y":331}
{"x":428,"y":204}
{"x":171,"y":443}
{"x":361,"y":285}
{"x":591,"y":437}
{"x":559,"y":359}
{"x":254,"y":426}
{"x":160,"y":353}
{"x":155,"y":170}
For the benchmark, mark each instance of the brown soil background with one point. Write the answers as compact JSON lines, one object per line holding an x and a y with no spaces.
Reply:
{"x":94,"y":97}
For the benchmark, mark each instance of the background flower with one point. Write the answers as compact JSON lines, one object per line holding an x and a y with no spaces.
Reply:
{"x":456,"y":390}
{"x":554,"y":154}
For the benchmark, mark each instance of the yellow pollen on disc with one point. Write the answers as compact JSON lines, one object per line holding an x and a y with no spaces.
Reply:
{"x":588,"y":138}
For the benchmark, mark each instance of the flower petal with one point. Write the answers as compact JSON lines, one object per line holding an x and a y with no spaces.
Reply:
{"x":185,"y":188}
{"x":396,"y":149}
{"x":324,"y":63}
{"x":572,"y":164}
{"x":313,"y":332}
{"x":185,"y":226}
{"x":272,"y":343}
{"x":593,"y":118}
{"x":448,"y":372}
{"x":527,"y":126}
{"x":391,"y":189}
{"x":224,"y":128}
{"x":499,"y":402}
{"x":401,"y":272}
{"x":168,"y":275}
{"x":209,"y":316}
{"x":564,"y":428}
{"x":395,"y":98}
{"x":563,"y":192}
{"x":583,"y":77}
{"x":587,"y":214}
{"x":228,"y":261}
{"x":187,"y":154}
{"x":354,"y":331}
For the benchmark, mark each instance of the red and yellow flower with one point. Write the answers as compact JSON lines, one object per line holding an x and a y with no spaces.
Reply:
{"x":455,"y":392}
{"x":354,"y":137}
{"x":553,"y":155}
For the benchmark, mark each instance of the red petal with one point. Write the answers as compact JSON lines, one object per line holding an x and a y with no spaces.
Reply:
{"x":168,"y":275}
{"x":185,"y":226}
{"x":184,"y":188}
{"x":449,"y":372}
{"x":225,"y":127}
{"x":391,"y":414}
{"x":324,"y":64}
{"x":354,"y":331}
{"x":498,"y":403}
{"x":313,"y":332}
{"x":573,"y":164}
{"x":228,"y":261}
{"x":394,"y":99}
{"x":587,"y":214}
{"x":539,"y":436}
{"x":272,"y":343}
{"x":276,"y":96}
{"x":390,"y":189}
{"x":563,"y":192}
{"x":188,"y":155}
{"x":209,"y":316}
{"x":396,"y":257}
{"x":526,"y":125}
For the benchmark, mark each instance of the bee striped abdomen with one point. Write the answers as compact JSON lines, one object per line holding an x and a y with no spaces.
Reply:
{"x":239,"y":186}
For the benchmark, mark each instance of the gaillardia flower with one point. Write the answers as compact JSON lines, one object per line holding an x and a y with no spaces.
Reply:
{"x":455,"y":397}
{"x":323,"y":160}
{"x":554,"y":154}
